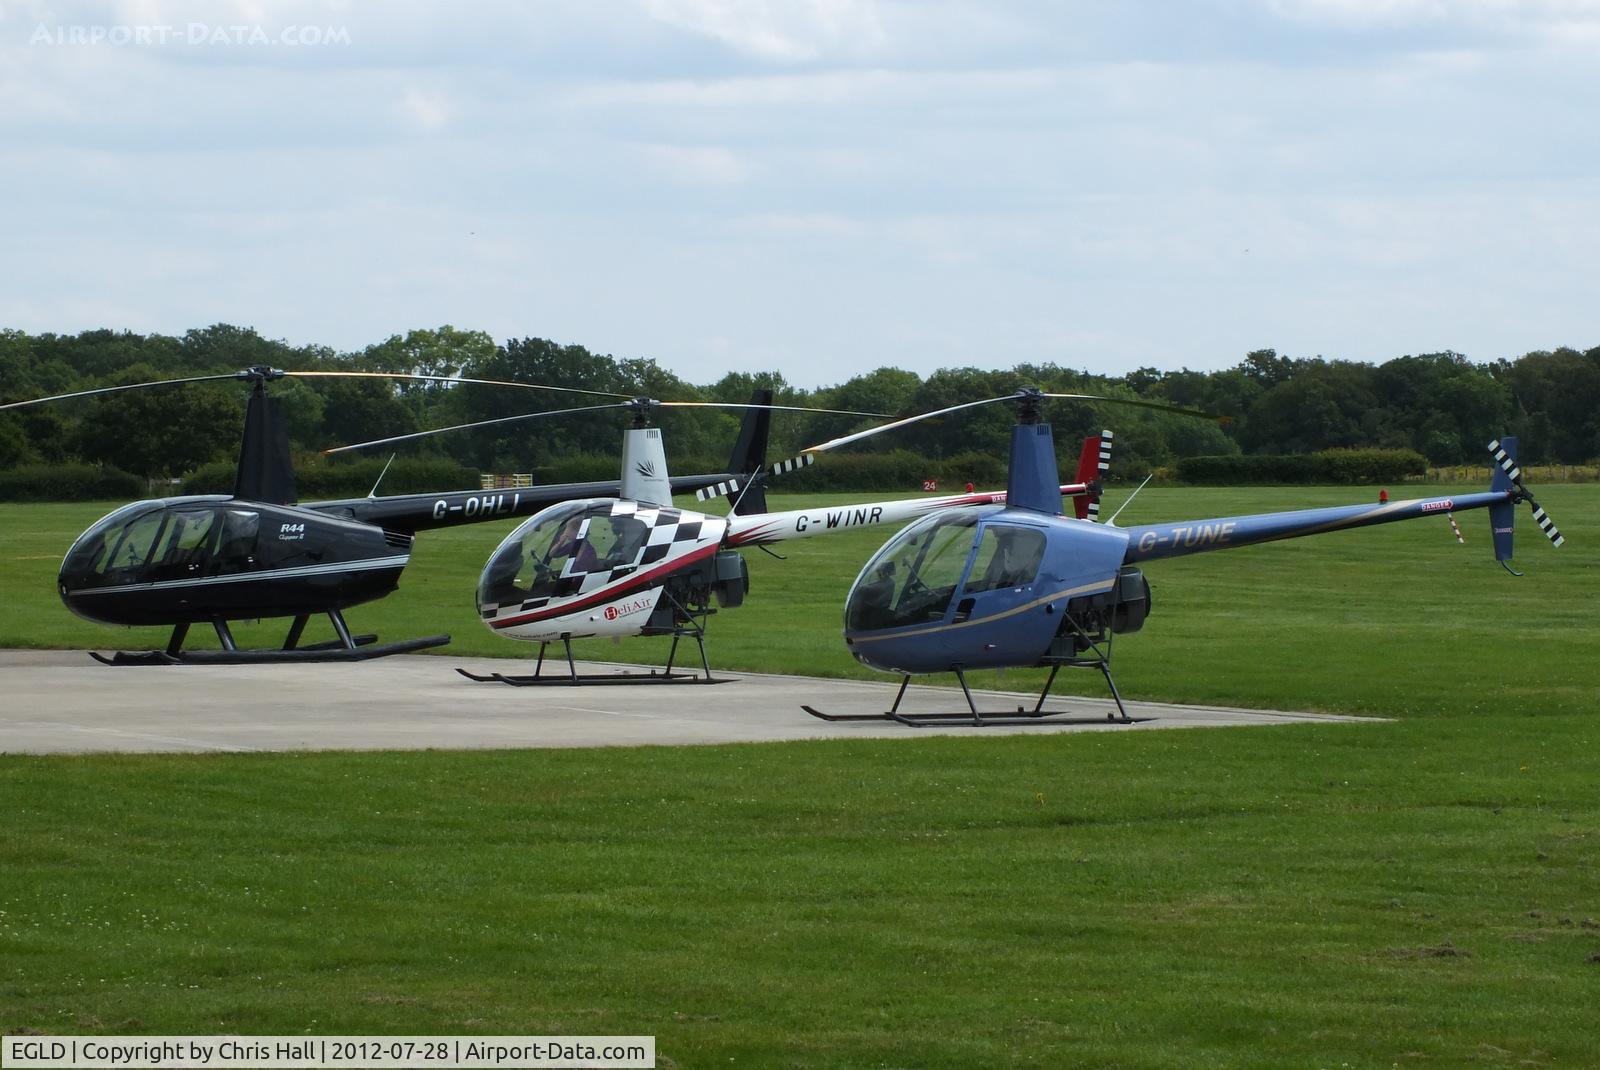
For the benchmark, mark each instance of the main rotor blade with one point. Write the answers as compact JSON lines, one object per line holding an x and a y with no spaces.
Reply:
{"x":869,"y":432}
{"x":468,"y":427}
{"x":748,"y":405}
{"x":630,"y":404}
{"x":457,"y":379}
{"x":116,"y":389}
{"x":1139,"y":403}
{"x":845,"y":440}
{"x":317,"y":375}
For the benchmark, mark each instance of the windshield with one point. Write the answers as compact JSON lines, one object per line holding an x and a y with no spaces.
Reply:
{"x":913,"y":578}
{"x":103,"y":547}
{"x":549,"y":556}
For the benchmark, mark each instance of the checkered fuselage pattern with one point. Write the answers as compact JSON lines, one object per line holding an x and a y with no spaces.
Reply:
{"x":614,"y":596}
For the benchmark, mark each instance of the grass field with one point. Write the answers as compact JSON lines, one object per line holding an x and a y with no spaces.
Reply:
{"x":1419,"y":893}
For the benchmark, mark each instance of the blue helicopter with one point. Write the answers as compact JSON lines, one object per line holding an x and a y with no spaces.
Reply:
{"x":1021,"y":585}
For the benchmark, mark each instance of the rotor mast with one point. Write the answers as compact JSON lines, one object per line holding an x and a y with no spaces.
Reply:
{"x":1033,"y":479}
{"x":266,"y":471}
{"x":644,"y":462}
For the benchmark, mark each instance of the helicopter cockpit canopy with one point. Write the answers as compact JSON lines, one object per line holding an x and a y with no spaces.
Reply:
{"x":913,"y":579}
{"x":155,"y":541}
{"x":552,"y":554}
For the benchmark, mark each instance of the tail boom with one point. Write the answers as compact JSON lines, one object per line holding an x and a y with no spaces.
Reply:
{"x":1151,"y":542}
{"x":805,"y":523}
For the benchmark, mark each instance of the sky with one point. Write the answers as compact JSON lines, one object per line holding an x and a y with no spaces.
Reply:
{"x":816,"y":187}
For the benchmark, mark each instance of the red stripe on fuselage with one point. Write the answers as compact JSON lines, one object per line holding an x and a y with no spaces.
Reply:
{"x":754,"y":533}
{"x":608,"y":594}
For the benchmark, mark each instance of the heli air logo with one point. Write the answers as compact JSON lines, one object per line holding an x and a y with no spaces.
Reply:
{"x":646,"y":469}
{"x":1438,"y":507}
{"x":613,"y":612}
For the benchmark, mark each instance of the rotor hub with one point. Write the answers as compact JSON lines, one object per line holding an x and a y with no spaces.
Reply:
{"x":1028,"y":403}
{"x":642,"y":407}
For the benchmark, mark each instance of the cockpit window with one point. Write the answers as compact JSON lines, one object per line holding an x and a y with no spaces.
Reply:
{"x":236,"y":546}
{"x":91,"y":554}
{"x":549,"y":555}
{"x":1008,"y":556}
{"x":913,"y":578}
{"x":147,"y":541}
{"x":617,"y":541}
{"x":183,"y":546}
{"x":132,"y":550}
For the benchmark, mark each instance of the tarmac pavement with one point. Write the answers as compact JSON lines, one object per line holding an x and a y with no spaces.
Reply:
{"x":63,"y":702}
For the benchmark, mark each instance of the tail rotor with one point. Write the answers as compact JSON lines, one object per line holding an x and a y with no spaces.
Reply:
{"x":1502,"y":517}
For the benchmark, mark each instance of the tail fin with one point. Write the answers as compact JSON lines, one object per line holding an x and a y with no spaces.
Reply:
{"x":266,"y":472}
{"x":750,"y":455}
{"x":1094,"y":462}
{"x":1503,"y":515}
{"x":644,"y":467}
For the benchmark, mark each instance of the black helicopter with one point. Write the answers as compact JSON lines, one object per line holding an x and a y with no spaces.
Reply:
{"x":255,"y":554}
{"x":1023,"y":586}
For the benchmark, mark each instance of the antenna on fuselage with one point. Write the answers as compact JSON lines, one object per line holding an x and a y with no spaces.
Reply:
{"x":1132,"y":496}
{"x":373,"y":493}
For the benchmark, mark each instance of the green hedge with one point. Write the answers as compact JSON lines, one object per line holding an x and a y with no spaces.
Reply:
{"x":1326,"y":466}
{"x":594,"y":467}
{"x":890,"y":472}
{"x":69,"y":483}
{"x":901,"y":470}
{"x":317,"y":481}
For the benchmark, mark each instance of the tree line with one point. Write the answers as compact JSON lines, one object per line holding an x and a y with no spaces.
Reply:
{"x":1440,"y":405}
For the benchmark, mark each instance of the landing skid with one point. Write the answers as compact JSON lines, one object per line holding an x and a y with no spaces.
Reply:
{"x":973,"y":718}
{"x":586,"y":679}
{"x":346,"y":647}
{"x":573,"y":678}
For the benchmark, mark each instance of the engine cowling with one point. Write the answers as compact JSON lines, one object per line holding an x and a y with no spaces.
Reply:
{"x":1091,"y":618}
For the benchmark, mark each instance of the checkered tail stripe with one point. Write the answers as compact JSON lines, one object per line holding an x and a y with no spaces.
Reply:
{"x":727,"y":486}
{"x":1547,"y":526}
{"x":1504,"y":460}
{"x":1105,"y":470}
{"x":783,"y":467}
{"x":1540,"y":517}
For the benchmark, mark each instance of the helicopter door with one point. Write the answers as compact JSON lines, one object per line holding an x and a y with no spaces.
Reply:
{"x":236,"y":543}
{"x":185,"y":547}
{"x":1003,"y":570}
{"x":617,"y":543}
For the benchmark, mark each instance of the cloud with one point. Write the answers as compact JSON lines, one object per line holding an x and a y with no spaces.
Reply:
{"x":780,"y":30}
{"x":425,"y":110}
{"x":1546,"y":20}
{"x":697,"y":163}
{"x":820,"y":187}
